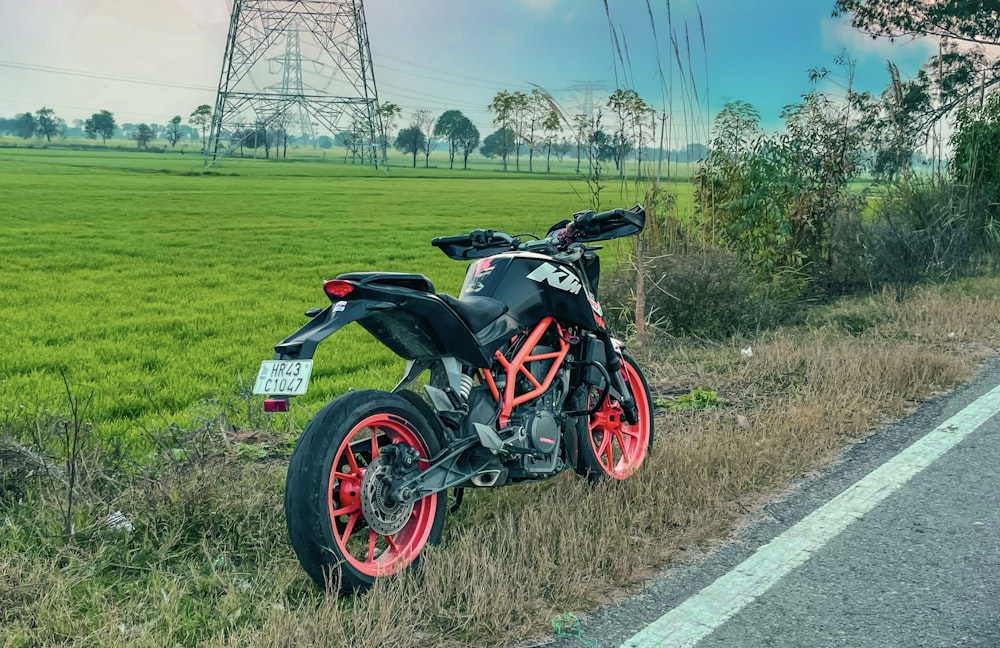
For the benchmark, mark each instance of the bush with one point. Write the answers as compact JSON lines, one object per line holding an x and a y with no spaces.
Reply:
{"x":706,"y":294}
{"x":842,"y":271}
{"x":927,"y":230}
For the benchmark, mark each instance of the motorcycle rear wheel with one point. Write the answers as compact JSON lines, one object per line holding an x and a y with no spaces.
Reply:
{"x":344,"y":532}
{"x":610,"y":447}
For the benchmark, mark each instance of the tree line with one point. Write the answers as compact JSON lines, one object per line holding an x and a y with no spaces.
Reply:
{"x":528,"y":124}
{"x":532,"y":124}
{"x":45,"y":124}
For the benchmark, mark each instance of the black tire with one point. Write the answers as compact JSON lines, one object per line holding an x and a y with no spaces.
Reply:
{"x":610,"y":448}
{"x":336,"y":543}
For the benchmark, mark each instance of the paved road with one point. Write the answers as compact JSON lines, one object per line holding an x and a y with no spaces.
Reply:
{"x":920,"y":569}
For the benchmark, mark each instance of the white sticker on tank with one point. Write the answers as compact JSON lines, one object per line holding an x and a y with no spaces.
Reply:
{"x":556,"y":277}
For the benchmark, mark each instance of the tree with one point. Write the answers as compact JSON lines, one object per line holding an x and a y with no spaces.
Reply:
{"x":410,"y":140}
{"x":775,"y":200}
{"x":619,"y":102}
{"x":447,"y":127}
{"x":960,"y":20}
{"x":173,"y":131}
{"x":256,"y":137}
{"x":891,"y":125}
{"x":534,"y":111}
{"x":737,"y":126}
{"x":521,"y":107}
{"x":103,"y":124}
{"x":201,"y":118}
{"x":632,"y":112}
{"x":976,"y":148}
{"x":562,"y":147}
{"x":542,"y":125}
{"x":143,"y":135}
{"x":78,"y":129}
{"x":353,"y":141}
{"x":424,"y":120}
{"x":237,"y":138}
{"x":265,"y":137}
{"x":48,"y":123}
{"x":603,"y":146}
{"x":345,"y":139}
{"x":324,"y":142}
{"x":468,"y":139}
{"x":279,"y":133}
{"x":27,"y":126}
{"x":502,"y":107}
{"x":501,"y":142}
{"x":389,"y":112}
{"x":551,"y":126}
{"x":957,"y":74}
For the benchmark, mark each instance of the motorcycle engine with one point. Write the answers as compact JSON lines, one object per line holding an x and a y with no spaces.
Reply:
{"x":537,"y":424}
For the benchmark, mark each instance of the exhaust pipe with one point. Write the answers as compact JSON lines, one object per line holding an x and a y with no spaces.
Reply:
{"x":486,"y":478}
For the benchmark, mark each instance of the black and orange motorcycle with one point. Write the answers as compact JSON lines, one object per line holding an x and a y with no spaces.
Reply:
{"x":520,"y":380}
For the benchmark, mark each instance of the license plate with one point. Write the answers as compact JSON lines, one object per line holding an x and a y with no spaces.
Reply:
{"x":283,"y":377}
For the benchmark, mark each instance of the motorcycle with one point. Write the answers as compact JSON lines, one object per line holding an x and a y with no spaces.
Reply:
{"x":521,"y":381}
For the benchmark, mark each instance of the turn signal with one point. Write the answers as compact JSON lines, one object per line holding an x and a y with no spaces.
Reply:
{"x":338,"y":288}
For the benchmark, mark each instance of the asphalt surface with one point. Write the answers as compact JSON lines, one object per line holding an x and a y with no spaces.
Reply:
{"x":921,"y":569}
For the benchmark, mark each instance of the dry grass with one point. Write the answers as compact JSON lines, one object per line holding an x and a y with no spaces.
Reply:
{"x":208,"y":563}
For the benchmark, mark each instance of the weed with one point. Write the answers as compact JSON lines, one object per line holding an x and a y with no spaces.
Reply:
{"x":697,"y":398}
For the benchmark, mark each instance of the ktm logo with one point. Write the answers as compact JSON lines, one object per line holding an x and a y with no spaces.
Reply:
{"x":556,"y":277}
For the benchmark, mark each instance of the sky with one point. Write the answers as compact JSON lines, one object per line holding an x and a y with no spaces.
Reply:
{"x":147,"y":60}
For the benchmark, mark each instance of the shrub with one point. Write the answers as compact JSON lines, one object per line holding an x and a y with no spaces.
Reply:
{"x":926,"y":230}
{"x":776,"y":200}
{"x":843,"y":271}
{"x":706,"y":294}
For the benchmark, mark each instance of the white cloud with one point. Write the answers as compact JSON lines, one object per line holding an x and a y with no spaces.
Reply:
{"x":838,"y":35}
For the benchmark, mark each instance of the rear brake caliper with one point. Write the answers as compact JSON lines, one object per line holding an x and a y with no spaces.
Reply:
{"x":400,"y":463}
{"x":385,"y":510}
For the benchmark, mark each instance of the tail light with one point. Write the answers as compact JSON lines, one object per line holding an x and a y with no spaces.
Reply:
{"x":338,"y":288}
{"x":273,"y":405}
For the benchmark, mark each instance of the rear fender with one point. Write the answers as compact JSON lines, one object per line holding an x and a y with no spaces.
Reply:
{"x":413,"y":325}
{"x":302,"y":344}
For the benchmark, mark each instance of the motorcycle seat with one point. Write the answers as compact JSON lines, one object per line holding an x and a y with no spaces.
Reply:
{"x":477,"y":312}
{"x":413,"y":281}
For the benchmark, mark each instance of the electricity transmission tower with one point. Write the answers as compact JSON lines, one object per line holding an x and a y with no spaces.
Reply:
{"x":300,"y":68}
{"x":292,"y":87}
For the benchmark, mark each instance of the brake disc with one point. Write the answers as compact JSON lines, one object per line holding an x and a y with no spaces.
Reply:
{"x":384,"y":515}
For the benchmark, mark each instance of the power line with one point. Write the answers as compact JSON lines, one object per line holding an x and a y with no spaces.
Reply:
{"x":104,"y":77}
{"x":423,"y":97}
{"x":118,"y":113}
{"x":457,"y":82}
{"x":479,"y":79}
{"x":408,"y":93}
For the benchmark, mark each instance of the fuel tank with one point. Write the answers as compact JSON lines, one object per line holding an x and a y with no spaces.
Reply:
{"x":533,"y":286}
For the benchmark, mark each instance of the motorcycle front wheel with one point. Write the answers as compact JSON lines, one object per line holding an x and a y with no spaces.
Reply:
{"x":610,"y":447}
{"x":345,"y":531}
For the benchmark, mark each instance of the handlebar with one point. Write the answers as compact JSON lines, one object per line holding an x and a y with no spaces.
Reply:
{"x":482,"y":239}
{"x":585,"y":226}
{"x":440,"y":241}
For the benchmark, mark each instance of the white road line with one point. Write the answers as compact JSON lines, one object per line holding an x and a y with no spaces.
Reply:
{"x":700,"y":615}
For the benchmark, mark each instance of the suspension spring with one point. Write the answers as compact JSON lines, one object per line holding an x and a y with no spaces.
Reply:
{"x":466,"y":387}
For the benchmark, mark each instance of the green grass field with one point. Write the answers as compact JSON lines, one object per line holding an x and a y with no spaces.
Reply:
{"x":156,"y":288}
